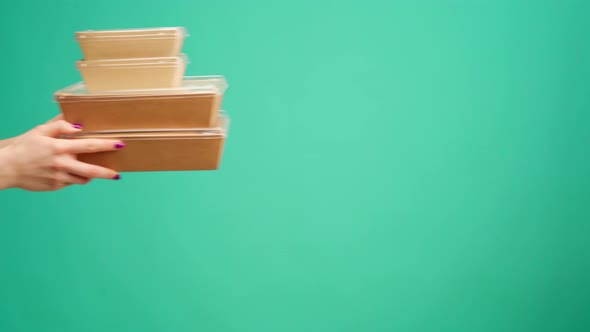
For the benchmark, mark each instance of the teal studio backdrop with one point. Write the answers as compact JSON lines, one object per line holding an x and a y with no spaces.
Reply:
{"x":391,"y":166}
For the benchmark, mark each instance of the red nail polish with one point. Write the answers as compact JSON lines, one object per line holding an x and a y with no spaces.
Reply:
{"x":117,"y":177}
{"x":78,"y":126}
{"x":120,"y":145}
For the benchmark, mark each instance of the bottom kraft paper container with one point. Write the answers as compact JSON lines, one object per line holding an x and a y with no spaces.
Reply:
{"x":166,"y":150}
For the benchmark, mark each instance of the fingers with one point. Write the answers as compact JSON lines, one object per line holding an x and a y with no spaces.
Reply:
{"x":71,"y":170}
{"x":69,"y":179}
{"x":57,"y":181}
{"x":89,"y":171}
{"x":58,"y":127}
{"x":89,"y":145}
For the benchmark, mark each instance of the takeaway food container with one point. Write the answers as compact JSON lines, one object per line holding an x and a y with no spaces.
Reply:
{"x":194,"y":105}
{"x":161,"y":150}
{"x":131,"y":43}
{"x":132,"y":74}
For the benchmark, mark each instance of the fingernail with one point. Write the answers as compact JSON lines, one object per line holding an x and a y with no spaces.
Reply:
{"x":78,"y":126}
{"x":117,"y":177}
{"x":120,"y":145}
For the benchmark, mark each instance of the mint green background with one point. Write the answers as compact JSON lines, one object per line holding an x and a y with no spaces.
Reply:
{"x":391,"y":166}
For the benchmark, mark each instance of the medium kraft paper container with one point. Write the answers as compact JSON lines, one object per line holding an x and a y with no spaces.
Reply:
{"x":194,"y":105}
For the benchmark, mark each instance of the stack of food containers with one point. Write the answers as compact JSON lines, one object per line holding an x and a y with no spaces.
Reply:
{"x":135,"y":90}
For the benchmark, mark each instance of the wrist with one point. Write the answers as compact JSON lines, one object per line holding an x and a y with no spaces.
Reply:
{"x":7,"y":173}
{"x":5,"y":142}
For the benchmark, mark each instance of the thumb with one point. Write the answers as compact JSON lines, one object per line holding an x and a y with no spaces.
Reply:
{"x":58,"y":117}
{"x":56,"y":128}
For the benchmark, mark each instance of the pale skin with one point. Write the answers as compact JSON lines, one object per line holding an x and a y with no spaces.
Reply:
{"x":40,"y":161}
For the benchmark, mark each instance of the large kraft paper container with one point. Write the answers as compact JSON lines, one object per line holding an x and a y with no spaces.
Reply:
{"x":194,"y":105}
{"x":161,"y":150}
{"x":131,"y":43}
{"x":132,"y":74}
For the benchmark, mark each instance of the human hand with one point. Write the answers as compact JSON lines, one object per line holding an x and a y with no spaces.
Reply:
{"x":40,"y":161}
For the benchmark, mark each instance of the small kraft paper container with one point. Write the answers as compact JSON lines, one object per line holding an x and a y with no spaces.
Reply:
{"x":132,"y":74}
{"x":161,"y":150}
{"x":194,"y":105}
{"x":131,"y":43}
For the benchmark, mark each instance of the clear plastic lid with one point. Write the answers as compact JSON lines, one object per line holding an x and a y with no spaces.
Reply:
{"x":133,"y":62}
{"x":142,"y":33}
{"x":220,"y":130}
{"x":212,"y":84}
